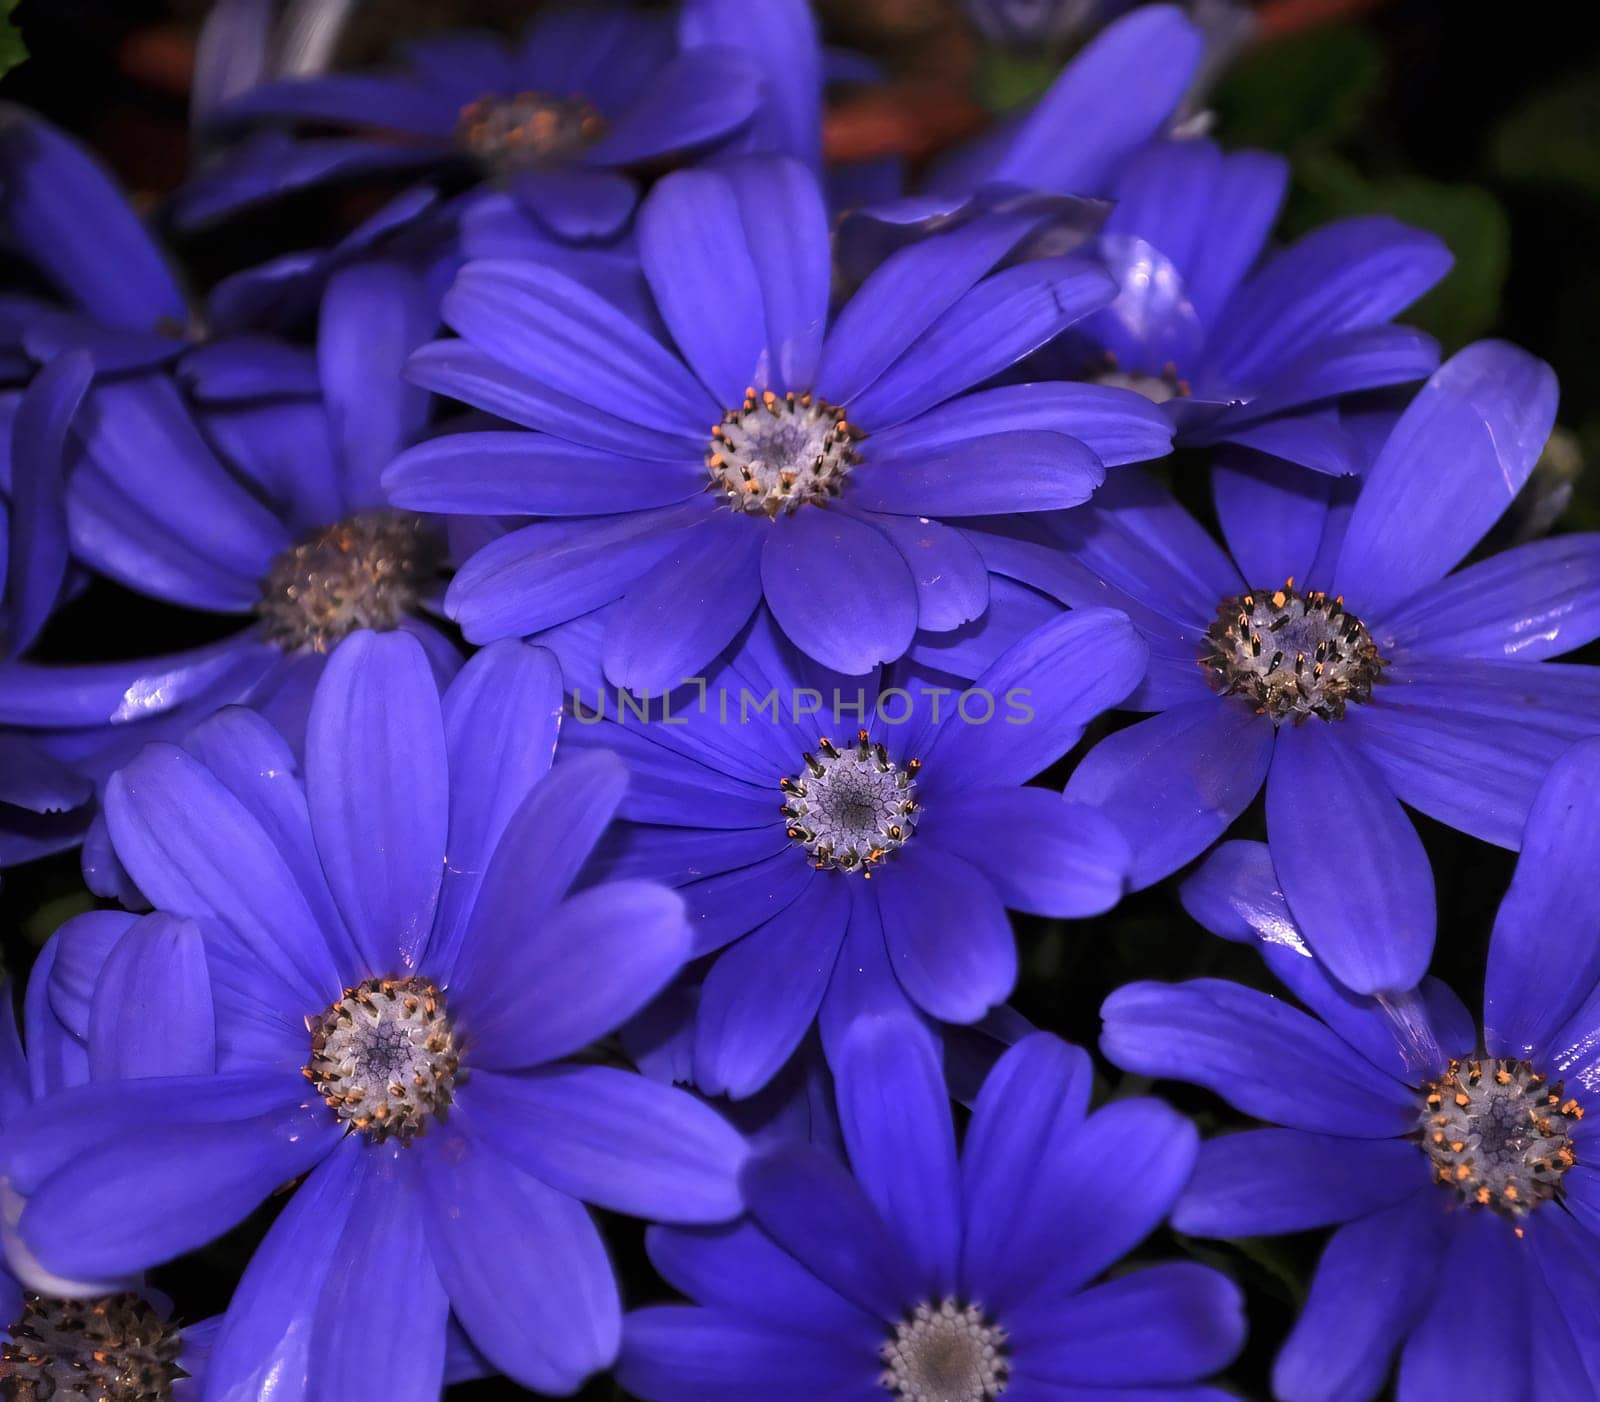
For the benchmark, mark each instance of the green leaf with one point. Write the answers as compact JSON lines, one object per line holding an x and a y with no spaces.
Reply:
{"x":12,"y":49}
{"x":1006,"y":80}
{"x":1553,"y":138}
{"x":1467,"y":217}
{"x":1302,"y":92}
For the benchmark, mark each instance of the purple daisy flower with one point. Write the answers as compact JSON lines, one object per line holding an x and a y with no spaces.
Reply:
{"x":1243,"y":348}
{"x":1121,"y":92}
{"x":243,"y":484}
{"x":58,"y":1338}
{"x":779,"y":454}
{"x":1336,"y":660}
{"x":828,"y":878}
{"x":383,"y":982}
{"x":931,"y":1275}
{"x":561,"y":118}
{"x":1459,"y":1171}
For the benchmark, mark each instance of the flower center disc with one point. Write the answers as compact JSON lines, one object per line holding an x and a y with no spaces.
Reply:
{"x":1291,"y":654}
{"x":945,"y":1353}
{"x":112,"y":1349}
{"x":777,"y":453}
{"x":1498,"y":1133}
{"x":850,"y":808}
{"x":384,"y":1057}
{"x":367,"y":571}
{"x":527,"y":130}
{"x":1158,"y":389}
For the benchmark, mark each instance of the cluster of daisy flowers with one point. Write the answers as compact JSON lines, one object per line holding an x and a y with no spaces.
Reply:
{"x":650,"y":572}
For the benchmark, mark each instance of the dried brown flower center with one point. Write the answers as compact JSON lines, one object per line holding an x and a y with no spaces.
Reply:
{"x":1291,"y":655}
{"x":528,"y":129}
{"x":112,"y":1349}
{"x":367,"y":571}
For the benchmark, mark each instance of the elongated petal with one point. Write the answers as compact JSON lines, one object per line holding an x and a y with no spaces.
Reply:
{"x":952,"y":583}
{"x":1175,"y":782}
{"x":1136,"y":538}
{"x":1469,"y":742}
{"x":573,"y":341}
{"x":763,"y":993}
{"x":1076,"y":1219}
{"x":37,"y":563}
{"x":1209,"y":213}
{"x":502,"y":714}
{"x":694,"y":251}
{"x":1344,"y":276}
{"x":993,"y":326}
{"x":381,"y":1271}
{"x":1546,"y":922}
{"x":1373,"y":1282}
{"x":1117,"y":425}
{"x":550,"y":573}
{"x":546,"y":1312}
{"x":151,"y":1013}
{"x":1169,"y":1323}
{"x":904,"y":296}
{"x":894,"y":1113}
{"x":1344,"y":848}
{"x":1043,"y":690}
{"x":809,"y":1204}
{"x":1003,"y":472}
{"x":945,"y":925}
{"x":195,"y":850}
{"x":119,"y":1207}
{"x":562,"y":979}
{"x":524,"y":474}
{"x":1108,"y":102}
{"x":739,"y":1268}
{"x":680,"y":615}
{"x":1486,"y":413}
{"x":1043,"y":853}
{"x":1267,"y":1181}
{"x":68,"y":219}
{"x":265,"y":1339}
{"x":1255,"y":1051}
{"x":377,"y":783}
{"x":1272,"y":516}
{"x":678,"y":1354}
{"x":679,"y":110}
{"x":475,"y":377}
{"x":1527,"y":604}
{"x":616,"y":1139}
{"x":1480,"y":1342}
{"x":786,"y":228}
{"x":840,"y":590}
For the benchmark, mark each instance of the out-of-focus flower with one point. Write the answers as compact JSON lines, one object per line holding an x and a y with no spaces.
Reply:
{"x":777,"y":454}
{"x":1245,"y":349}
{"x":1038,"y":23}
{"x":921,"y":1273}
{"x":1336,"y":659}
{"x":379,"y":980}
{"x":834,"y":863}
{"x":76,"y":1338}
{"x":265,"y":508}
{"x":1458,"y":1170}
{"x":562,"y":118}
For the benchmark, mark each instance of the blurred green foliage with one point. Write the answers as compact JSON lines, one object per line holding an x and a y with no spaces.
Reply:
{"x":12,"y":49}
